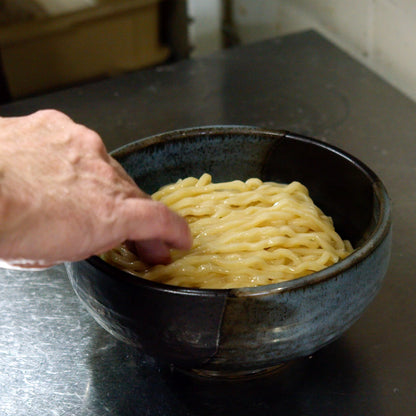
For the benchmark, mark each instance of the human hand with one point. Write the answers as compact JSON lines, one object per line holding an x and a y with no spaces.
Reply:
{"x":63,"y":198}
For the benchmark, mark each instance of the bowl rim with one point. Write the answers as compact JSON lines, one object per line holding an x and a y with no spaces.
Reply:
{"x":381,"y":229}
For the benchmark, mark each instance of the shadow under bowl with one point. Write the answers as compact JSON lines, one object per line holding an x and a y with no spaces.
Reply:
{"x":233,"y":332}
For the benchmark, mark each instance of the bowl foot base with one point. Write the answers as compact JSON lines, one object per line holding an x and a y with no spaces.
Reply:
{"x":232,"y":374}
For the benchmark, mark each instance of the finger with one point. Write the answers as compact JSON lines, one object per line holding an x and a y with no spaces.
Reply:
{"x":145,"y":219}
{"x":153,"y":251}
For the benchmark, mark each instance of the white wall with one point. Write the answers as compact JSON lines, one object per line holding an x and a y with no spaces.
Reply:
{"x":205,"y":26}
{"x":379,"y":33}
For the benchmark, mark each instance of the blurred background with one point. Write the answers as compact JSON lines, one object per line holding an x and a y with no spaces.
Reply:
{"x":51,"y":44}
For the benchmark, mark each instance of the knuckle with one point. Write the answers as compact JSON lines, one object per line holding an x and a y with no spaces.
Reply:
{"x":49,"y":114}
{"x":91,"y":139}
{"x":106,"y":210}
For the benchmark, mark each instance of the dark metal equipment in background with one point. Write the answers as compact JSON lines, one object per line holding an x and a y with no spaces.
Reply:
{"x":229,"y":32}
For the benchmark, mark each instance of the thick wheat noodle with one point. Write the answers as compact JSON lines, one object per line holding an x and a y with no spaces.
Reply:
{"x":245,"y":234}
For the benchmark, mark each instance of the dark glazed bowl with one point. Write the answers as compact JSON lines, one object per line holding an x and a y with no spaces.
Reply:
{"x":243,"y":331}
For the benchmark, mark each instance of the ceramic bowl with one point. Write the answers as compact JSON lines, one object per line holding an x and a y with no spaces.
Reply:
{"x":246,"y":330}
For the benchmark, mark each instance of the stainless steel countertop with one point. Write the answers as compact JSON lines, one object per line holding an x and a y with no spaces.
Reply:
{"x":54,"y":358}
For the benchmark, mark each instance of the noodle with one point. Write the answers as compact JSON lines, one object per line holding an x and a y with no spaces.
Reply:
{"x":245,"y":234}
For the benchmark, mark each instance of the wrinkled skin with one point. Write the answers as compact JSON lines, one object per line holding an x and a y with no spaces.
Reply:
{"x":64,"y":198}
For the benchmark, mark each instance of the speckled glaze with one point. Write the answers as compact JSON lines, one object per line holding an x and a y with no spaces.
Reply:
{"x":243,"y":331}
